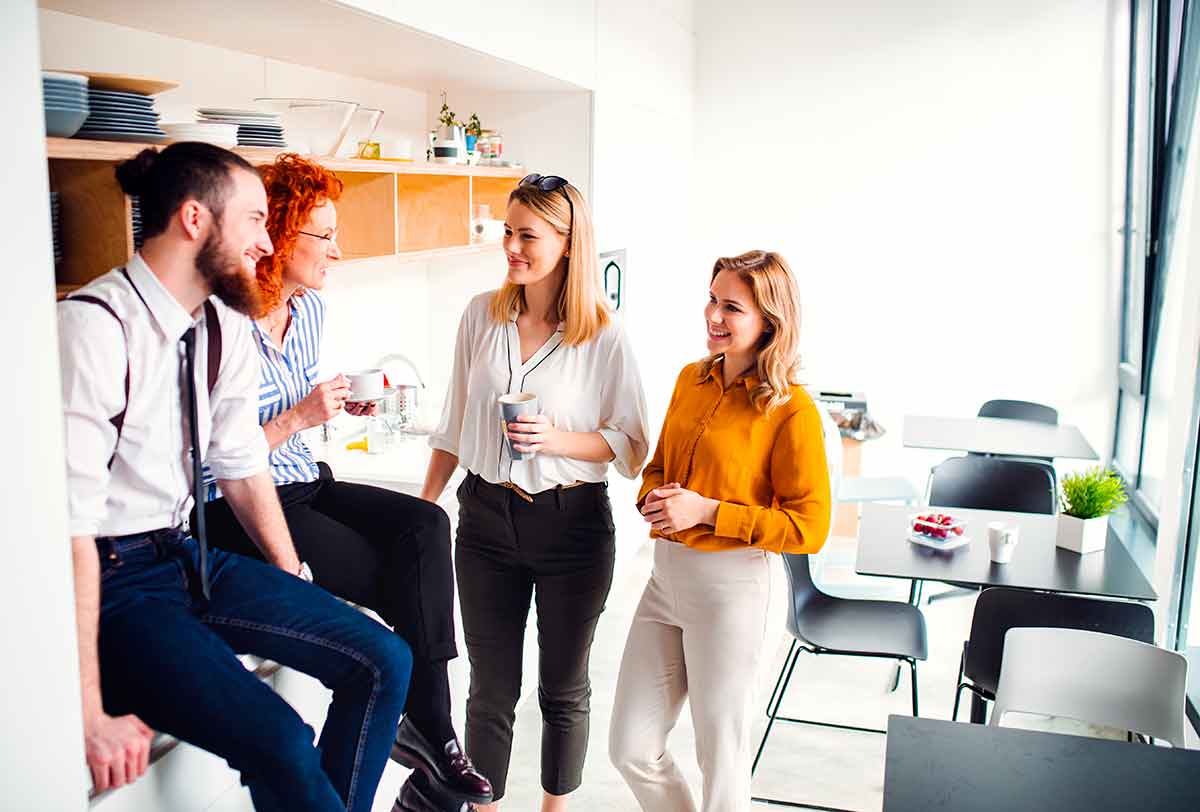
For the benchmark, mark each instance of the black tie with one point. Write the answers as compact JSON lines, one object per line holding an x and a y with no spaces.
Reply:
{"x":189,"y":372}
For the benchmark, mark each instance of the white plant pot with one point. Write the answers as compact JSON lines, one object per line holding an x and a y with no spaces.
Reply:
{"x":1082,"y":535}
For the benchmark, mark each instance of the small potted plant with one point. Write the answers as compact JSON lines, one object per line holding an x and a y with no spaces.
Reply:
{"x":1087,"y":500}
{"x":473,"y":130}
{"x":448,"y":145}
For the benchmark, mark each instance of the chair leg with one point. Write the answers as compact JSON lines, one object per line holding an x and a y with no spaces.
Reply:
{"x":772,"y":712}
{"x":962,"y":667}
{"x":779,"y":679}
{"x":895,"y":681}
{"x":912,"y":664}
{"x":953,"y":592}
{"x":978,"y":709}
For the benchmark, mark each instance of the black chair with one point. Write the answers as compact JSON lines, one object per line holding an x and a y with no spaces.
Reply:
{"x":1001,"y":608}
{"x":990,"y":483}
{"x":823,"y":624}
{"x":1019,"y":410}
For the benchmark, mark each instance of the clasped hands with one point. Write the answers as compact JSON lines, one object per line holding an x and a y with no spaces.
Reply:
{"x":671,"y":508}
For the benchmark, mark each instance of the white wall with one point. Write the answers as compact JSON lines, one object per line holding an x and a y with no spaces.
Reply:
{"x":941,"y":177}
{"x":42,"y":745}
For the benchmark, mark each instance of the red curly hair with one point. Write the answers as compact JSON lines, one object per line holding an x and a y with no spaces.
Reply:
{"x":295,"y":186}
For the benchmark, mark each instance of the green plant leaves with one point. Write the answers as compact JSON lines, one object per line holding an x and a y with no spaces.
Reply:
{"x":1094,"y":493}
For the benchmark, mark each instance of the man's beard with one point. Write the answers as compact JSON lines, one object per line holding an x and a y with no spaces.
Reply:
{"x":222,"y":269}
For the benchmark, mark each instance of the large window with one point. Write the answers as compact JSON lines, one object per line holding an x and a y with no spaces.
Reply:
{"x":1161,"y":110}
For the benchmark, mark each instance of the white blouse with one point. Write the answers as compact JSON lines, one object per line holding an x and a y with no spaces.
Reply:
{"x":591,"y":387}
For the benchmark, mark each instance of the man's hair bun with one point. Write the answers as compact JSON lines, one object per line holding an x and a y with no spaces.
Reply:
{"x":131,"y":174}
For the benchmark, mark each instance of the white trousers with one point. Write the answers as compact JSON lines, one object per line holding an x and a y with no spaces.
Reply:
{"x":698,"y":634}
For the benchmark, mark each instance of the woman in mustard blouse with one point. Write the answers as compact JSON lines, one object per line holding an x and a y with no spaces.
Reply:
{"x":739,"y":472}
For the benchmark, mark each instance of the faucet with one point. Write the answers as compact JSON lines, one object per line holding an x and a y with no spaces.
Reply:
{"x":395,"y":356}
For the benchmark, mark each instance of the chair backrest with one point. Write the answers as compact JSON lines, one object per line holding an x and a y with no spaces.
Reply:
{"x":1096,"y":678}
{"x":999,"y":609}
{"x":801,"y":589}
{"x":1019,"y":410}
{"x":992,"y":483}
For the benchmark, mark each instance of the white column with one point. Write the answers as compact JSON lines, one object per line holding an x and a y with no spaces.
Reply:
{"x":42,"y":746}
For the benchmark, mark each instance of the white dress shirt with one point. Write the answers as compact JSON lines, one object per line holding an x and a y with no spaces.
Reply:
{"x":149,"y":485}
{"x":591,"y":387}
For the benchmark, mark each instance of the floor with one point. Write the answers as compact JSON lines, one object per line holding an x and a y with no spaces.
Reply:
{"x":816,"y":765}
{"x":842,"y":769}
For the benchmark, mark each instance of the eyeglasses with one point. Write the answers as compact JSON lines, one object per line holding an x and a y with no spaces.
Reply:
{"x":329,"y":237}
{"x":551,"y":183}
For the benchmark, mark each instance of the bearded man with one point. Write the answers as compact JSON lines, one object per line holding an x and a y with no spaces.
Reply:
{"x":159,"y":376}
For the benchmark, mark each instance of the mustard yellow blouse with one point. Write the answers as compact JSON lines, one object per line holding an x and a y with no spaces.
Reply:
{"x":769,"y":472}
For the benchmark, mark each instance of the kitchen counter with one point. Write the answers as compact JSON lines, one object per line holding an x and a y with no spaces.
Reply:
{"x":401,"y":468}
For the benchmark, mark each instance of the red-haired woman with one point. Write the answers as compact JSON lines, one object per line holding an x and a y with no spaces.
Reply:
{"x":378,"y":548}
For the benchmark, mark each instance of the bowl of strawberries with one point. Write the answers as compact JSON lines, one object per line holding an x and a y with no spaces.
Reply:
{"x":939,"y":530}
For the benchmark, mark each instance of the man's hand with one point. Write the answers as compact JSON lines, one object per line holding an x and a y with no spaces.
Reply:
{"x":672,"y":508}
{"x":117,"y":749}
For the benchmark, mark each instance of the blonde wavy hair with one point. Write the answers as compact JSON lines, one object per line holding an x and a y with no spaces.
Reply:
{"x":580,"y":304}
{"x":778,"y":298}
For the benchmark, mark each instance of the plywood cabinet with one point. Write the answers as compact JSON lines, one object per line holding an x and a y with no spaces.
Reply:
{"x":387,"y":208}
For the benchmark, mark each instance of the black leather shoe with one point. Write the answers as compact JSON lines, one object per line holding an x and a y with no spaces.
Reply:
{"x":450,"y":769}
{"x":416,"y":795}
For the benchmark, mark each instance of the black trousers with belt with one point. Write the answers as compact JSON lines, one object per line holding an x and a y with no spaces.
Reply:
{"x":558,"y":550}
{"x":387,"y":551}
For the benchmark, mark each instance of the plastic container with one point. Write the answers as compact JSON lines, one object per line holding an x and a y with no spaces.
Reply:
{"x":936,"y":526}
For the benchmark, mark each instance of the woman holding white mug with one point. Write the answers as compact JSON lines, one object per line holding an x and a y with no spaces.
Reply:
{"x":542,"y":523}
{"x":384,"y":550}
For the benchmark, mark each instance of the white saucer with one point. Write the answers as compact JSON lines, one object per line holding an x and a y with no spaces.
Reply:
{"x":388,"y":391}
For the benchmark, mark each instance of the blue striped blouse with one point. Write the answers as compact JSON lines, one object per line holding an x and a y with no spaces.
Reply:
{"x":285,"y":379}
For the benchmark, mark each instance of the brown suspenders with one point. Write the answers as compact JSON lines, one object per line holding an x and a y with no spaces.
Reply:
{"x":214,"y":348}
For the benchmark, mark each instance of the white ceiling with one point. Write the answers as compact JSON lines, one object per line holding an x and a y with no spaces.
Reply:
{"x":321,"y":35}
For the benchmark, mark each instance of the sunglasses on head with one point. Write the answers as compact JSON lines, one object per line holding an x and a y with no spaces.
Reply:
{"x":551,"y":183}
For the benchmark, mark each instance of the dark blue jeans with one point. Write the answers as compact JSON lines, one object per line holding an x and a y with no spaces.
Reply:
{"x":169,"y":656}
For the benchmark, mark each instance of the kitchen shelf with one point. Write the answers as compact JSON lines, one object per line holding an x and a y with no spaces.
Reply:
{"x":387,"y":208}
{"x":114,"y":151}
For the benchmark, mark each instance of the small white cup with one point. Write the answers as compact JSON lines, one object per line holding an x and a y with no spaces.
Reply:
{"x":366,"y":385}
{"x":1002,"y":540}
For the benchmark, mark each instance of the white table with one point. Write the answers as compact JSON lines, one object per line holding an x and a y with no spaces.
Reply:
{"x":997,"y":435}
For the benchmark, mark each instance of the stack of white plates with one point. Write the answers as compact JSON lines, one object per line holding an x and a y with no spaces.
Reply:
{"x":212,"y":132}
{"x":65,"y":97}
{"x":254,"y":127}
{"x":56,"y":227}
{"x":118,"y":115}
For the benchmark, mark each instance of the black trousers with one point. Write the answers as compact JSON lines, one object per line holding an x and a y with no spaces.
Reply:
{"x":387,"y":551}
{"x":561,"y":549}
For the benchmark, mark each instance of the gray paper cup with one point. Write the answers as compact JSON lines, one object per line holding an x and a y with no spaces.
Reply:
{"x":511,"y":407}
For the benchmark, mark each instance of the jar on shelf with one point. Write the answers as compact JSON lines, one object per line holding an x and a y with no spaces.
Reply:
{"x":490,"y":146}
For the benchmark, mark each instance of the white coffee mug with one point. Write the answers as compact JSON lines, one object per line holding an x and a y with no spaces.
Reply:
{"x":366,"y":384}
{"x":1002,"y":540}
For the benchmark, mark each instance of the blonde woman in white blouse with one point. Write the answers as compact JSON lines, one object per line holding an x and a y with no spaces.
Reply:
{"x":538,"y":528}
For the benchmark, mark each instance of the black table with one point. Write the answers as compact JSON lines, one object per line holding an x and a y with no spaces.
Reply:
{"x":883,"y":550}
{"x":997,"y":435}
{"x":937,"y":765}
